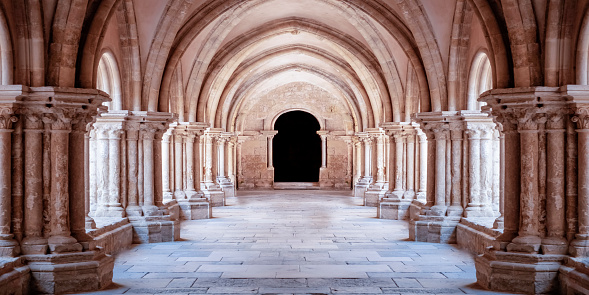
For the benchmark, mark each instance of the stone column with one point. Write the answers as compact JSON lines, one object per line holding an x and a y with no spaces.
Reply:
{"x":114,"y":173}
{"x":89,"y":222}
{"x":358,"y":153}
{"x":398,"y":191}
{"x":208,"y":156}
{"x":221,"y":140}
{"x":499,"y":222}
{"x":367,"y":158}
{"x":410,"y":188}
{"x":33,"y":242}
{"x":455,"y":209}
{"x":231,"y":158}
{"x":441,"y":137}
{"x":487,"y":168}
{"x":178,"y":162}
{"x":528,"y":239}
{"x":190,"y":191}
{"x":380,"y":157}
{"x":350,"y":158}
{"x":239,"y":175}
{"x":147,"y":135}
{"x":60,"y":239}
{"x":554,"y":242}
{"x":8,"y":245}
{"x":101,"y":170}
{"x":133,"y":208}
{"x":421,"y":194}
{"x":579,"y":247}
{"x":323,"y":136}
{"x":475,"y":205}
{"x":168,"y":195}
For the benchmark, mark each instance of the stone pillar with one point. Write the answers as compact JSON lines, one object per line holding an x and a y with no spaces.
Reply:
{"x":101,"y":156}
{"x":190,"y":191}
{"x":133,"y":208}
{"x":358,"y":159}
{"x":222,"y":179}
{"x":179,"y":135}
{"x":410,"y":187}
{"x":528,"y":239}
{"x":33,"y":242}
{"x":166,"y":142}
{"x":455,"y":209}
{"x":147,"y":135}
{"x":440,"y":207}
{"x":378,"y":189}
{"x":423,"y":144}
{"x":350,"y":161}
{"x":8,"y":245}
{"x":89,"y":222}
{"x":231,"y":159}
{"x":114,"y":174}
{"x":579,"y":247}
{"x":365,"y":150}
{"x":212,"y":190}
{"x":554,"y":242}
{"x":398,"y":191}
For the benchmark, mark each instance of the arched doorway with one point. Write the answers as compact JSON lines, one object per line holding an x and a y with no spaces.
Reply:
{"x":296,"y":148}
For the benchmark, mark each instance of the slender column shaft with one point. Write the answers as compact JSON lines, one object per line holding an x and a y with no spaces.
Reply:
{"x":358,"y":145}
{"x":221,"y":157}
{"x":456,"y":193}
{"x":583,"y":186}
{"x":166,"y":167}
{"x":132,"y":175}
{"x":89,"y":222}
{"x":423,"y":152}
{"x":178,"y":166}
{"x":380,"y":156}
{"x":190,"y":164}
{"x":487,"y":170}
{"x":440,"y":173}
{"x":323,"y":151}
{"x":114,"y":169}
{"x":474,"y":170}
{"x":230,"y":158}
{"x":92,"y":174}
{"x":555,"y":186}
{"x":496,"y":173}
{"x":148,"y":172}
{"x":410,"y":162}
{"x":33,"y":221}
{"x":368,"y":157}
{"x":398,"y":162}
{"x":102,"y":170}
{"x":6,"y":236}
{"x":271,"y":152}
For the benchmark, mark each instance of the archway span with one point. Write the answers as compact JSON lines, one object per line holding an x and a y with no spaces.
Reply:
{"x":108,"y":79}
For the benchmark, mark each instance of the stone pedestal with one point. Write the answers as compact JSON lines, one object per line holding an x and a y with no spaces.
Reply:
{"x":194,"y":209}
{"x":434,"y":229}
{"x":155,"y":229}
{"x":70,"y":272}
{"x":393,"y":209}
{"x":518,"y":272}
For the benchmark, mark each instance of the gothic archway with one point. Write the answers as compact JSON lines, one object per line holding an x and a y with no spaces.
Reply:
{"x":296,"y":148}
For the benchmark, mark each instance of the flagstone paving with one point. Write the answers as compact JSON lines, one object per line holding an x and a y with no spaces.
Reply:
{"x":294,"y":242}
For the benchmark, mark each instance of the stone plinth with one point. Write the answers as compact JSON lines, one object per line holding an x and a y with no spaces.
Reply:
{"x":434,"y":229}
{"x":155,"y":229}
{"x":70,"y":272}
{"x":574,"y":277}
{"x":372,"y":197}
{"x":112,"y":234}
{"x":393,"y":209}
{"x":194,"y":209}
{"x":518,"y":272}
{"x":477,"y":234}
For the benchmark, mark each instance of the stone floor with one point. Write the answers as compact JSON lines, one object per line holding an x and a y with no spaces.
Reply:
{"x":294,"y":242}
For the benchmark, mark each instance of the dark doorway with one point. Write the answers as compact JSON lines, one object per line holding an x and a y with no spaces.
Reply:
{"x":296,"y":148}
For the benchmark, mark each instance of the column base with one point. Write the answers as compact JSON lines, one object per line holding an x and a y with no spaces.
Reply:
{"x":151,"y":210}
{"x":64,"y":244}
{"x":8,"y":246}
{"x":193,"y":195}
{"x":393,"y":209}
{"x":434,"y":229}
{"x":554,"y":245}
{"x":34,"y":245}
{"x":228,"y":189}
{"x":478,"y":211}
{"x":499,"y":223}
{"x":215,"y":196}
{"x":525,"y":244}
{"x":71,"y":272}
{"x":373,"y":195}
{"x":134,"y":211}
{"x":194,"y":209}
{"x":155,"y":229}
{"x":179,"y":195}
{"x":454,"y":211}
{"x":361,"y":187}
{"x":518,"y":272}
{"x":579,"y":247}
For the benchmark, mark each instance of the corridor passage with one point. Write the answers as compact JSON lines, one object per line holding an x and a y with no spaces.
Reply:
{"x":294,"y":242}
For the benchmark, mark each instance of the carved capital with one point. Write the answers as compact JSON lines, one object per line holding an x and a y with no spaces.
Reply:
{"x":7,"y":118}
{"x":581,"y":117}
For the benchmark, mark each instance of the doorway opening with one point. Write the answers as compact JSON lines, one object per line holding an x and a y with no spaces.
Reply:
{"x":296,"y":148}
